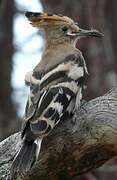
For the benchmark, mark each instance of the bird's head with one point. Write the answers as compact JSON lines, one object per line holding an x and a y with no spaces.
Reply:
{"x":59,"y":28}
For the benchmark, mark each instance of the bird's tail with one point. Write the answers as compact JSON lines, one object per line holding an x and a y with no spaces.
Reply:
{"x":26,"y":157}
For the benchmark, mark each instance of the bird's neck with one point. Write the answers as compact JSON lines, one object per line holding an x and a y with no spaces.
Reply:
{"x":53,"y":47}
{"x":54,"y":54}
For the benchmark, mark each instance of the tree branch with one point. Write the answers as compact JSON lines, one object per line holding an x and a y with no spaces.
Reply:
{"x":75,"y":146}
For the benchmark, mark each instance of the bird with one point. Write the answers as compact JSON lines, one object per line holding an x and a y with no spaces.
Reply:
{"x":56,"y":83}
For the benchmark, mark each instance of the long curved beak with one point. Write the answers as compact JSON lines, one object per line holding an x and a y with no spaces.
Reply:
{"x":89,"y":33}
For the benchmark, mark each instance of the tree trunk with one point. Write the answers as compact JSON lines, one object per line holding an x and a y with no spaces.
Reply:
{"x":75,"y":146}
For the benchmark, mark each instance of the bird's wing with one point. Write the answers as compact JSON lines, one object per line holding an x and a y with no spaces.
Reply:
{"x":64,"y":69}
{"x":32,"y":79}
{"x":51,"y":107}
{"x":44,"y":83}
{"x":31,"y":106}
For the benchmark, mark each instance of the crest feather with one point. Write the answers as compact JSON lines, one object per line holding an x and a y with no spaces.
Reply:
{"x":40,"y":19}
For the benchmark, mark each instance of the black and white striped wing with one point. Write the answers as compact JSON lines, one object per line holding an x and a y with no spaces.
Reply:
{"x":73,"y":67}
{"x":51,"y":107}
{"x":69,"y":76}
{"x":33,"y":98}
{"x":32,"y":79}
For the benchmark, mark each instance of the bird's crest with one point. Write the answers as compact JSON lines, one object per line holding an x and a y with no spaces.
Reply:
{"x":42,"y":19}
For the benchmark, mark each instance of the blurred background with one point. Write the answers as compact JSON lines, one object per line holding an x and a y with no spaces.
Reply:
{"x":21,"y":48}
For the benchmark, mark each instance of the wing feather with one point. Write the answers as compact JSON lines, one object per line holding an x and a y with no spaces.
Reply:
{"x":53,"y":92}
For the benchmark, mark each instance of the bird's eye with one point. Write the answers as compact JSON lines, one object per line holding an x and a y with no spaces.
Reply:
{"x":65,"y":29}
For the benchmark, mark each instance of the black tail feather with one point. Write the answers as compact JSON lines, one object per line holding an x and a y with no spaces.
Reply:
{"x":25,"y":158}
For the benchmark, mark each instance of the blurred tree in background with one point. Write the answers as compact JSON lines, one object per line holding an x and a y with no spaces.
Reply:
{"x":7,"y":107}
{"x":100,"y":56}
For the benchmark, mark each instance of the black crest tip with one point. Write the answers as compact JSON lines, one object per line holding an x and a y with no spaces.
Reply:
{"x":29,"y":14}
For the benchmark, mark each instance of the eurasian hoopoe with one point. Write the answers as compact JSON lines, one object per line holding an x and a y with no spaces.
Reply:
{"x":55,"y":83}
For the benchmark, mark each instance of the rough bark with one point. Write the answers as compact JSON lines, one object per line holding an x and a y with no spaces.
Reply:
{"x":75,"y":146}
